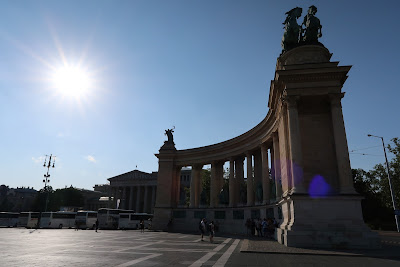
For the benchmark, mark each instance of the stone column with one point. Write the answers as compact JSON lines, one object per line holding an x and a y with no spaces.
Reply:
{"x":131,"y":197}
{"x":250,"y":180}
{"x":257,"y":176}
{"x":215,"y":184}
{"x":153,"y":196}
{"x":295,"y":145}
{"x":195,"y":186}
{"x":277,"y":165}
{"x":117,"y":196}
{"x":123,"y":197}
{"x":232,"y":186}
{"x":138,"y":199}
{"x":265,"y":173}
{"x":109,"y":204}
{"x":239,"y":179}
{"x":342,"y":151}
{"x":146,"y":196}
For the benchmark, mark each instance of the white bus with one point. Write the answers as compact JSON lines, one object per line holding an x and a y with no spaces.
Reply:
{"x":28,"y":219}
{"x":108,"y":218}
{"x":85,"y":219}
{"x":57,"y":219}
{"x":9,"y":219}
{"x":132,"y":220}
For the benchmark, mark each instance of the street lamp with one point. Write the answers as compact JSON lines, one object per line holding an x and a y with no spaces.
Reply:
{"x":46,"y":179}
{"x":396,"y":212}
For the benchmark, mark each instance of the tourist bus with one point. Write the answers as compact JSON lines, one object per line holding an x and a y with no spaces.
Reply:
{"x":9,"y":219}
{"x":85,"y":219}
{"x":28,"y":219}
{"x":132,"y":220}
{"x":108,"y":218}
{"x":57,"y":219}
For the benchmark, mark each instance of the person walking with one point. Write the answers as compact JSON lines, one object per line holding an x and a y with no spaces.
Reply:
{"x":97,"y":225}
{"x":141,"y":226}
{"x":212,"y":228}
{"x":202,"y":228}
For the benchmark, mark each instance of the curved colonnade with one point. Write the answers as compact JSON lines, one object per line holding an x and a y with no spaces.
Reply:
{"x":305,"y":136}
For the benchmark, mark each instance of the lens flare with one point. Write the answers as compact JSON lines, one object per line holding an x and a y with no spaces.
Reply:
{"x":319,"y":187}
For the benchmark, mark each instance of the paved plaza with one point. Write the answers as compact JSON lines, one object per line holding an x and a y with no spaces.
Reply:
{"x":66,"y":247}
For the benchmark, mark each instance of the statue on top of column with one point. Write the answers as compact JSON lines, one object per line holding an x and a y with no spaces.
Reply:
{"x":168,"y":133}
{"x":313,"y":27}
{"x":295,"y":35}
{"x":291,"y":35}
{"x":169,"y":144}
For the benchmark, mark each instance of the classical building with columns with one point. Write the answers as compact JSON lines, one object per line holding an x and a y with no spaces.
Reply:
{"x":136,"y":190}
{"x":296,"y":162}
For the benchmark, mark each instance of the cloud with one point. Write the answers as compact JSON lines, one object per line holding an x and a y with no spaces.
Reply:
{"x":90,"y":158}
{"x":38,"y":159}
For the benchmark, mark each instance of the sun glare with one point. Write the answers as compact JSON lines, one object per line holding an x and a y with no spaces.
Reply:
{"x":72,"y":81}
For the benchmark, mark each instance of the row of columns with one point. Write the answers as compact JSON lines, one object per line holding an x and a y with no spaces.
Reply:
{"x":260,"y":177}
{"x":141,"y":198}
{"x":257,"y":181}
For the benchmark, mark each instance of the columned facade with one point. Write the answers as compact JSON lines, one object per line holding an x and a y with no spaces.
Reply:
{"x":297,"y":164}
{"x":134,"y":190}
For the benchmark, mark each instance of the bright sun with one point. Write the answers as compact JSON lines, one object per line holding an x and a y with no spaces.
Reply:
{"x":72,"y":81}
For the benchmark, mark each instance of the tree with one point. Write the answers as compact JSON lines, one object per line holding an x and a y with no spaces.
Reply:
{"x":205,"y":185}
{"x":66,"y":197}
{"x":374,"y":187}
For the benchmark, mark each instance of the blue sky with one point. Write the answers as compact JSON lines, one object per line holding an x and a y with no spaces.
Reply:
{"x":201,"y":66}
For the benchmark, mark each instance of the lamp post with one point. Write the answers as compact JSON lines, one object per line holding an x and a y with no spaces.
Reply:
{"x":46,"y":179}
{"x":396,"y":216}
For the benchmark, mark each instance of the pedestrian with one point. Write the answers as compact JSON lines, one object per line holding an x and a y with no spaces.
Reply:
{"x":253,"y":228}
{"x":202,"y":228}
{"x":259,"y":225}
{"x":141,"y":226}
{"x":264,"y":227}
{"x":211,"y":227}
{"x":248,"y":226}
{"x":97,"y":225}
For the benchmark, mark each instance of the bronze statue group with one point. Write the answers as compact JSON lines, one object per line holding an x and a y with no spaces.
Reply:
{"x":306,"y":33}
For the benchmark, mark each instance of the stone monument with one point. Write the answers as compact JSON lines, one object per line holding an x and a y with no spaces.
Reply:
{"x":304,"y":133}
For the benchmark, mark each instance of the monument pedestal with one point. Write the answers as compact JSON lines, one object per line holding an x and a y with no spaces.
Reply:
{"x":329,"y":222}
{"x":167,"y":186}
{"x":320,"y":206}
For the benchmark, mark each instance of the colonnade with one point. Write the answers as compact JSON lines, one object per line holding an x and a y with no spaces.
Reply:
{"x":259,"y":175}
{"x":140,"y":198}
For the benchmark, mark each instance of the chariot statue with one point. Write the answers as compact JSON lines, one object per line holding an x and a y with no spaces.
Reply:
{"x":168,"y":133}
{"x":291,"y":36}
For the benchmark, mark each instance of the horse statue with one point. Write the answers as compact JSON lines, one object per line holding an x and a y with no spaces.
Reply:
{"x":313,"y":27}
{"x":292,"y":32}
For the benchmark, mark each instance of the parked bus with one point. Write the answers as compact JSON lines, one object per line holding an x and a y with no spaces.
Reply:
{"x":132,"y":220}
{"x":28,"y":219}
{"x":57,"y":219}
{"x":9,"y":219}
{"x":108,"y":218}
{"x":85,"y":219}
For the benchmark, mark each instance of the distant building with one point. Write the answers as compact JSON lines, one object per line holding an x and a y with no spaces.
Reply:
{"x":136,"y":190}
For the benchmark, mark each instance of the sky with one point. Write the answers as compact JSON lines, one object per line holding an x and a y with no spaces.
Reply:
{"x":145,"y":66}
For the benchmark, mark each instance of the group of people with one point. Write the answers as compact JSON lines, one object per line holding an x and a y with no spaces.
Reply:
{"x":210,"y":227}
{"x":261,"y":228}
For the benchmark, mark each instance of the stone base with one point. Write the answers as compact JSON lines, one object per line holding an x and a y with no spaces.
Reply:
{"x":328,"y":222}
{"x":161,"y":218}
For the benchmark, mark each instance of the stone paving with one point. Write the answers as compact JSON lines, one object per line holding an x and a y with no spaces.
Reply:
{"x":66,"y":247}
